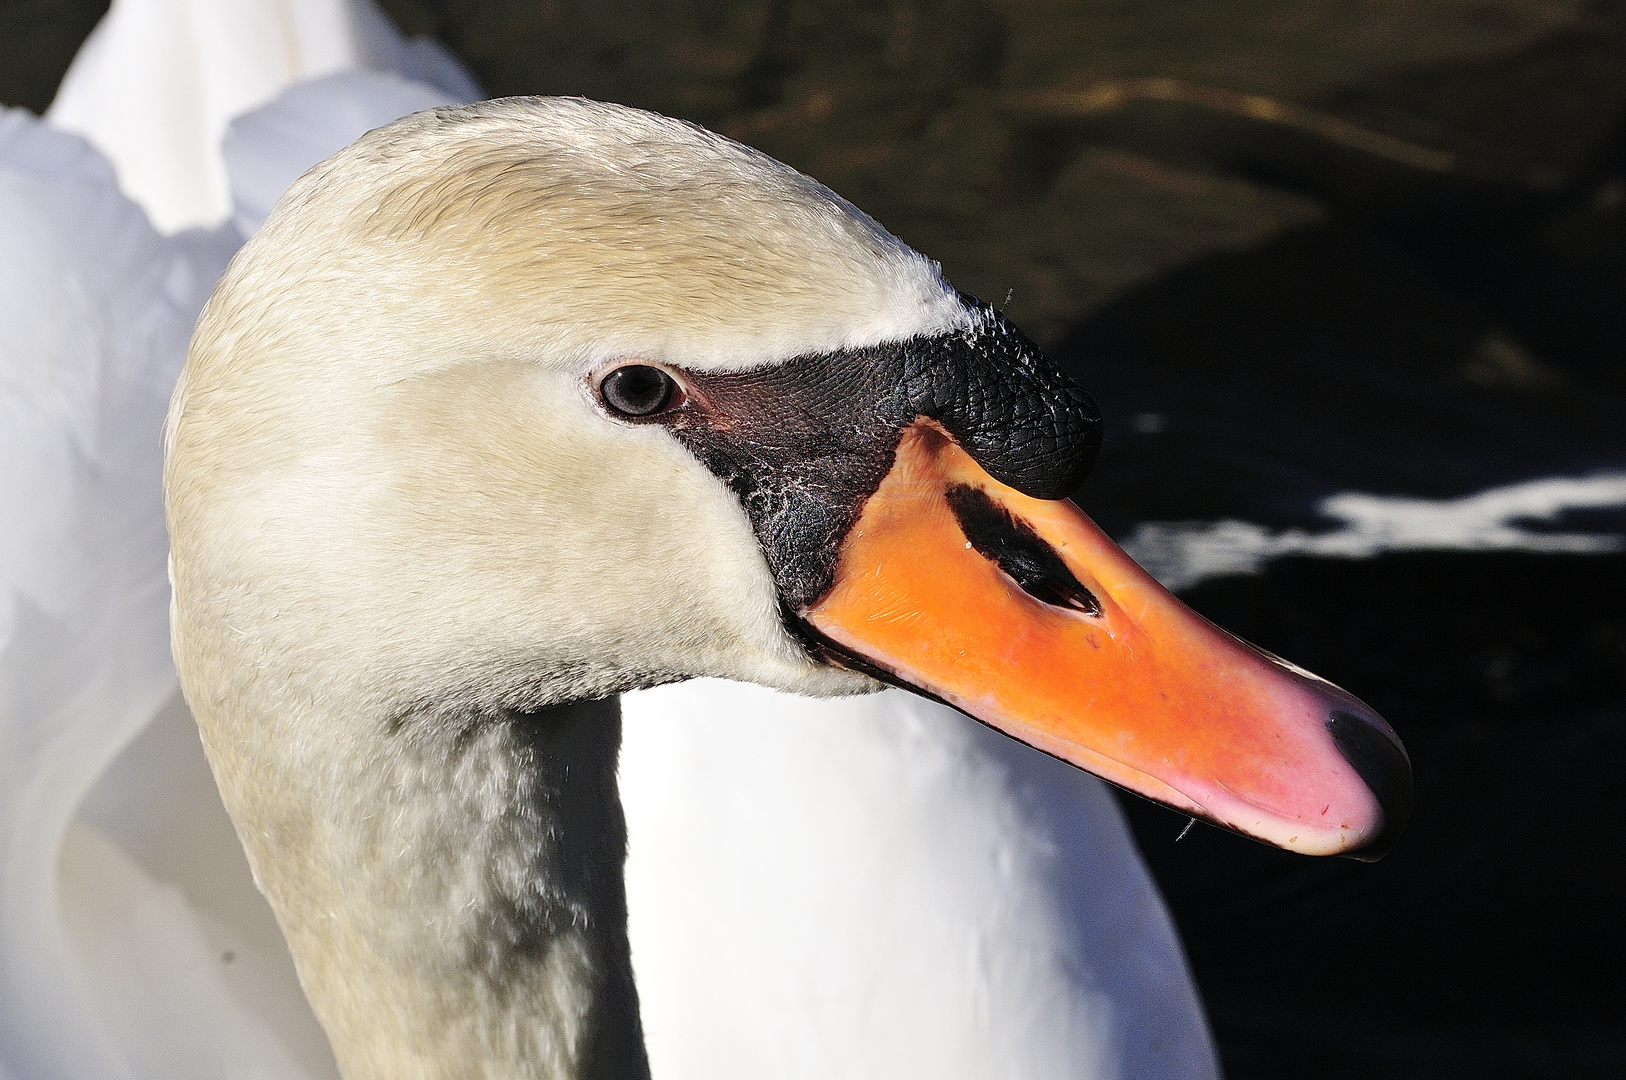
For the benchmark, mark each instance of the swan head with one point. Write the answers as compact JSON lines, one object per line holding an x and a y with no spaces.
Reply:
{"x":540,"y":400}
{"x":390,"y":465}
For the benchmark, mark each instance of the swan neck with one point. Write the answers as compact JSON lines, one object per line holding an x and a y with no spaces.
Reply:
{"x":460,"y":909}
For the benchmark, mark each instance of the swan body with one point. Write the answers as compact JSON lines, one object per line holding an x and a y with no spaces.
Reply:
{"x":97,"y":309}
{"x":956,"y":906}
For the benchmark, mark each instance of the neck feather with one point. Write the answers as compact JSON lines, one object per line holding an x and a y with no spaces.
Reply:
{"x":459,"y":909}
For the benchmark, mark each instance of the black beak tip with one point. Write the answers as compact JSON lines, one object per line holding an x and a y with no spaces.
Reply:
{"x":1369,"y":745}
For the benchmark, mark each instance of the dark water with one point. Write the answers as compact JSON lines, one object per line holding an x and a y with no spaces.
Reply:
{"x":1405,"y":277}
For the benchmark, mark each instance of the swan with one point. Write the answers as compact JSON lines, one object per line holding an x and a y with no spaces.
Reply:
{"x":999,"y":871}
{"x":1015,"y":854}
{"x":513,"y":407}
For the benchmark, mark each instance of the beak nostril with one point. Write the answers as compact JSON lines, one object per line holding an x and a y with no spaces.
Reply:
{"x":1021,"y":553}
{"x":1067,"y":594}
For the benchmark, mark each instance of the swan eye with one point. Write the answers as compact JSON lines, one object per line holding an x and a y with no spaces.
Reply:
{"x":637,"y":390}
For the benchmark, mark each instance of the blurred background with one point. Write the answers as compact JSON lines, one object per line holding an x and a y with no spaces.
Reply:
{"x":1348,"y":280}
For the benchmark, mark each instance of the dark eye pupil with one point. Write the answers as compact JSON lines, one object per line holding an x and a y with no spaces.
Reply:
{"x":637,"y":390}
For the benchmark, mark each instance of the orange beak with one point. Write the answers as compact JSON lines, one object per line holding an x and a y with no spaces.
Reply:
{"x":1022,"y":613}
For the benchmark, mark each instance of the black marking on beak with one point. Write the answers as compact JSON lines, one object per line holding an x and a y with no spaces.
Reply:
{"x":1020,"y":552}
{"x":1382,"y":763}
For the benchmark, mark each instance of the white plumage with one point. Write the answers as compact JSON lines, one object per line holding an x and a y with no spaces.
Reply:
{"x":900,"y":892}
